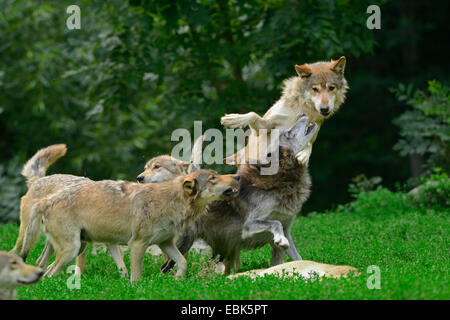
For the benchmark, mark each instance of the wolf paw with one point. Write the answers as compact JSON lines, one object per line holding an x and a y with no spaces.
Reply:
{"x":303,"y":156}
{"x":235,"y":120}
{"x":281,"y":241}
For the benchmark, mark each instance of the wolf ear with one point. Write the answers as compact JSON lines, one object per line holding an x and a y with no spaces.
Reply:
{"x":338,"y":66}
{"x":190,"y":186}
{"x":185,"y":165}
{"x":303,"y":71}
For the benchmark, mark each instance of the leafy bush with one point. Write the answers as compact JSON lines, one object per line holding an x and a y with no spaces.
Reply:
{"x":12,"y":186}
{"x":363,"y":184}
{"x":425,"y":129}
{"x":435,"y":191}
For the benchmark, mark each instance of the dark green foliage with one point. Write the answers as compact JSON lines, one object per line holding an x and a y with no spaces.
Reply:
{"x":116,"y":89}
{"x":363,"y":184}
{"x":12,"y":186}
{"x":425,"y":128}
{"x":435,"y":192}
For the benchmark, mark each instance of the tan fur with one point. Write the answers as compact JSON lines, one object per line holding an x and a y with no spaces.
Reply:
{"x":122,"y":212}
{"x":14,"y":273}
{"x":165,"y":167}
{"x":40,"y":186}
{"x":303,"y":268}
{"x":162,"y":168}
{"x":298,"y":97}
{"x":37,"y":166}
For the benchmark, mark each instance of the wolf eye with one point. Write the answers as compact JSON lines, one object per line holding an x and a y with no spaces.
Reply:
{"x":331,"y":88}
{"x":13,"y":264}
{"x":156,"y":166}
{"x":315,"y":89}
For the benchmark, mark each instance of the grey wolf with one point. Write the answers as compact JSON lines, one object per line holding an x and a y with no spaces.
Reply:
{"x":263,"y":211}
{"x":318,"y":91}
{"x":40,"y":186}
{"x":14,"y":273}
{"x":120,"y":212}
{"x":304,"y":269}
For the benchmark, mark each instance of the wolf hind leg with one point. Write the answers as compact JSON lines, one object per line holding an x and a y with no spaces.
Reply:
{"x":256,"y":226}
{"x":277,"y":255}
{"x":117,"y":257}
{"x":292,"y":250}
{"x":42,"y":261}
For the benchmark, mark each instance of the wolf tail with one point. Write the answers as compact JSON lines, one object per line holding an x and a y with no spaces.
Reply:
{"x":196,"y":155}
{"x":33,"y":230}
{"x":44,"y":158}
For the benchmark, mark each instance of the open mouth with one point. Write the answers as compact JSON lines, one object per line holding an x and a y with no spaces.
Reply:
{"x":310,"y":128}
{"x":324,"y":113}
{"x":230,"y":192}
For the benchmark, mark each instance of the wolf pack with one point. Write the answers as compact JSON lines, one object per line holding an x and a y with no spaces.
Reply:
{"x":176,"y":202}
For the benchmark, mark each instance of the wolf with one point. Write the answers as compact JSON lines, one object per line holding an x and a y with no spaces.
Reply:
{"x":263,"y":211}
{"x":40,"y":186}
{"x":318,"y":91}
{"x":304,"y":269}
{"x":122,"y":212}
{"x":14,"y":273}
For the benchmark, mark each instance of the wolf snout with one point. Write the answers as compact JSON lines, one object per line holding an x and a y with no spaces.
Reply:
{"x":237,"y":177}
{"x":324,"y":110}
{"x":140,"y":178}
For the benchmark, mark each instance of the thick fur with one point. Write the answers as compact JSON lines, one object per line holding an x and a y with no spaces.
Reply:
{"x":304,"y":269}
{"x":37,"y":166}
{"x":14,"y":273}
{"x":121,"y":212}
{"x":40,"y":186}
{"x":262,"y":213}
{"x":319,"y":87}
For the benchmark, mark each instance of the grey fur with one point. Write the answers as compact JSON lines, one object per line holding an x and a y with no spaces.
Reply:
{"x":264,"y":210}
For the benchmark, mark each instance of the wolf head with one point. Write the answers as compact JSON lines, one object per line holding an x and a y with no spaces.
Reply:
{"x":323,"y":87}
{"x":294,"y":139}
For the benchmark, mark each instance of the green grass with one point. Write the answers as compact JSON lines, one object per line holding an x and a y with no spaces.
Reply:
{"x":407,"y":241}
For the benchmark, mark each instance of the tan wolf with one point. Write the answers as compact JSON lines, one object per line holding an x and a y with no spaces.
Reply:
{"x":304,"y":269}
{"x":121,"y":212}
{"x":318,"y":92}
{"x":40,"y":186}
{"x":14,"y":273}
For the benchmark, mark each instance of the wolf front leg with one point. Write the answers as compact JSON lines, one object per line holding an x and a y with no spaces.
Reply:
{"x":304,"y":155}
{"x":171,"y":250}
{"x":256,"y":226}
{"x":253,"y":120}
{"x":137,"y":252}
{"x":184,"y":244}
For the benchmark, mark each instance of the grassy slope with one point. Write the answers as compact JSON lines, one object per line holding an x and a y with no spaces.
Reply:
{"x":409,"y":244}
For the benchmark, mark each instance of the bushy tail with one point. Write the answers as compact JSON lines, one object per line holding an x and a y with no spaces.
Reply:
{"x":33,"y":230}
{"x":196,"y":154}
{"x":44,"y":158}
